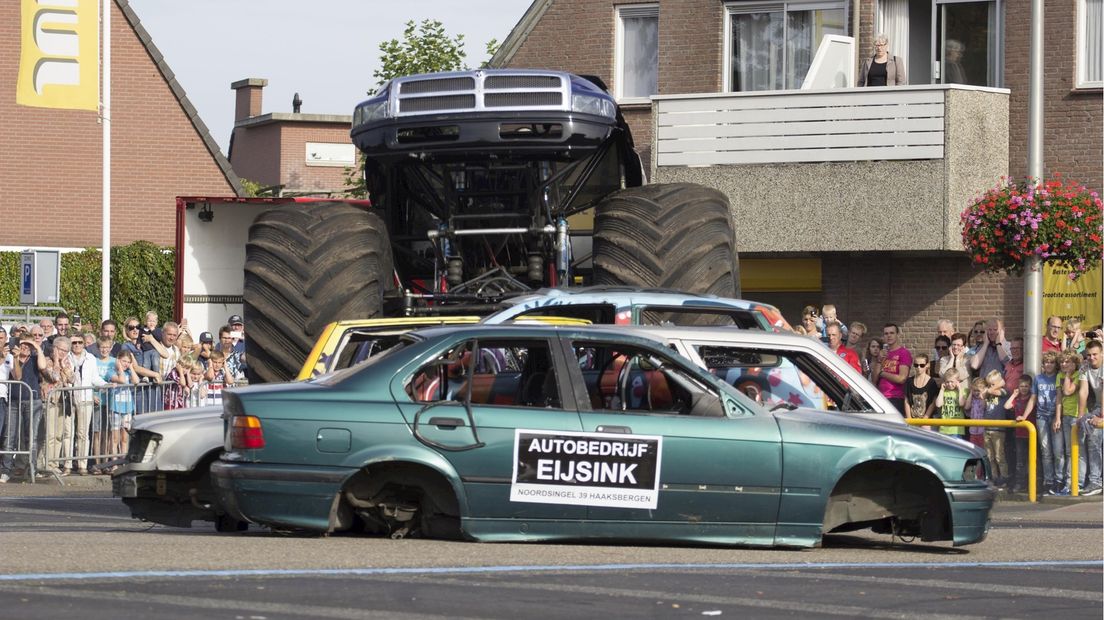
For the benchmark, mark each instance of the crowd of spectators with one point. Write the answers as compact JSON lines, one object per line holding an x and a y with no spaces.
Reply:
{"x":979,"y":375}
{"x":78,"y":386}
{"x":87,"y":383}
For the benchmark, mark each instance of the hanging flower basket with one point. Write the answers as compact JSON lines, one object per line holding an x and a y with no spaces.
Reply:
{"x":1058,"y":221}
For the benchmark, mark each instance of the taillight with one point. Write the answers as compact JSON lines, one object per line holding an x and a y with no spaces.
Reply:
{"x":246,"y":433}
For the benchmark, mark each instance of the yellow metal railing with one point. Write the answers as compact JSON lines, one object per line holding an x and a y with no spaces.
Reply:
{"x":1075,"y":453}
{"x":1031,"y":441}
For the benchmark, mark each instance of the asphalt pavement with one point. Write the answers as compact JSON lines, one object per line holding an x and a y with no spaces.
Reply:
{"x":73,"y":551}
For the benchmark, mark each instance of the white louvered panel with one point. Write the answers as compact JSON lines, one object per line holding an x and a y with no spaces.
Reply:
{"x":790,"y":127}
{"x":794,"y":99}
{"x":679,"y":132}
{"x":802,"y":155}
{"x":784,"y":115}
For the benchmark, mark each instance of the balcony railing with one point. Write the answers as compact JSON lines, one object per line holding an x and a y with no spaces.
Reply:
{"x":859,"y":161}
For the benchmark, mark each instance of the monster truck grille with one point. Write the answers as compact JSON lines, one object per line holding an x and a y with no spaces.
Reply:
{"x":439,"y":85}
{"x":436,"y":104}
{"x":521,"y":81}
{"x":507,"y":100}
{"x":476,"y":92}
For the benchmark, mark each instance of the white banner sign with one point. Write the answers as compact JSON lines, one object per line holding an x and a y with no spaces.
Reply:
{"x":586,"y":469}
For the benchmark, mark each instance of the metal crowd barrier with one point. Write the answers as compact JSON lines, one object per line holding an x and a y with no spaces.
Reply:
{"x":19,"y":430}
{"x":1032,"y":439}
{"x":85,"y":429}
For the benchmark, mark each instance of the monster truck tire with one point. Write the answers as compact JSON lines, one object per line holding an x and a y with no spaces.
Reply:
{"x":676,"y":236}
{"x":305,"y":266}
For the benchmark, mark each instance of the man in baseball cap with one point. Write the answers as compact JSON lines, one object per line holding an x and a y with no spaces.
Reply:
{"x":237,"y":332}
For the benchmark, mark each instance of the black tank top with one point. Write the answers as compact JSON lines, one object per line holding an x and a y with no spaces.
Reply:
{"x":877,"y":75}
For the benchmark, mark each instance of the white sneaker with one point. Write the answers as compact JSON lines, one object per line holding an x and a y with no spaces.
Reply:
{"x":4,"y":478}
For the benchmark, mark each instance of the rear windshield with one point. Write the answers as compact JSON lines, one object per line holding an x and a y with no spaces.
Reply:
{"x":679,"y":316}
{"x":338,"y":376}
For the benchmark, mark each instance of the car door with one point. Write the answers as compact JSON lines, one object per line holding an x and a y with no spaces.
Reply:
{"x":467,"y":403}
{"x":720,"y":457}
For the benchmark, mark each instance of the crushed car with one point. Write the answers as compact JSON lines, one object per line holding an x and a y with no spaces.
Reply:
{"x":532,"y":433}
{"x":165,"y":477}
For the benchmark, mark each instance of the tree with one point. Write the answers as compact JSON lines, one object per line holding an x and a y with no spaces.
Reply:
{"x":425,"y":48}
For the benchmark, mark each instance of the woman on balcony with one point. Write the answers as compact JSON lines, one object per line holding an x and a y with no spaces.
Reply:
{"x":882,"y":69}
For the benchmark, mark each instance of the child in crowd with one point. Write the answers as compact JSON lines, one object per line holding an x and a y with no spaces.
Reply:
{"x":122,"y":405}
{"x":1022,"y":405}
{"x":1068,"y":387}
{"x":176,"y":390}
{"x":1045,"y":392}
{"x":828,"y":317}
{"x":994,"y":397}
{"x":185,"y":344}
{"x":101,"y":415}
{"x":951,"y":398}
{"x":975,"y":410}
{"x":197,"y":385}
{"x":217,"y":378}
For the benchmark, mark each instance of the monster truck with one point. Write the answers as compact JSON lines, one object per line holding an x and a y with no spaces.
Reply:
{"x":483,"y":185}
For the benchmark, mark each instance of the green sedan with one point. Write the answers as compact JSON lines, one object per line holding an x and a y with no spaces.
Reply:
{"x":511,"y":433}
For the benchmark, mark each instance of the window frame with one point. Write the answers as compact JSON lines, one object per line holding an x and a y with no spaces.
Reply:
{"x":622,"y":12}
{"x":1080,"y":41}
{"x":732,"y":7}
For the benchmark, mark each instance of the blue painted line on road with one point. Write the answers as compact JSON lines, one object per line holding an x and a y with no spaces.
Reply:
{"x":467,"y":570}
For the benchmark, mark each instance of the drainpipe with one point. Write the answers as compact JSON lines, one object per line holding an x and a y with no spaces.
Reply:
{"x":855,"y":33}
{"x":1033,"y":269}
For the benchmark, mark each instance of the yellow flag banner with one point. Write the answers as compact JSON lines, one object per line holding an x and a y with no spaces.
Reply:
{"x":59,"y":55}
{"x":1068,"y":299}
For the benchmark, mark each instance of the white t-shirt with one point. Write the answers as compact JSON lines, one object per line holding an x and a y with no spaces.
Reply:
{"x":5,"y":374}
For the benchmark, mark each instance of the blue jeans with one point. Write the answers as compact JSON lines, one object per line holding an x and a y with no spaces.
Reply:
{"x":1066,"y":450}
{"x":1050,"y":449}
{"x":1092,"y":444}
{"x":22,"y":417}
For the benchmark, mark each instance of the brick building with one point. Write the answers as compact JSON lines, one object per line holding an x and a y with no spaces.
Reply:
{"x":300,"y":154}
{"x":51,"y":166}
{"x":867,"y":221}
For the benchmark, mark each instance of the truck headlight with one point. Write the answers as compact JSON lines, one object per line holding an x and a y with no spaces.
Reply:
{"x":370,"y":112}
{"x":589,"y":104}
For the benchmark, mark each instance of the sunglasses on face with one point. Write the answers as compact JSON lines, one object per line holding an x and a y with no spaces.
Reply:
{"x":919,"y":365}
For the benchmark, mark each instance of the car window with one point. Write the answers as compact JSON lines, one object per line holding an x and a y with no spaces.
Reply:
{"x":505,"y":373}
{"x":772,"y":377}
{"x":598,"y":314}
{"x":674,"y":315}
{"x":358,"y":347}
{"x":340,"y":374}
{"x":630,"y":379}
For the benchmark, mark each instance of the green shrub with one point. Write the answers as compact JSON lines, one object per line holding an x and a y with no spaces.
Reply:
{"x":142,"y":278}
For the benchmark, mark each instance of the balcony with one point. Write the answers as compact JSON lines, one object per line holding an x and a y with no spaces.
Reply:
{"x":857,"y":169}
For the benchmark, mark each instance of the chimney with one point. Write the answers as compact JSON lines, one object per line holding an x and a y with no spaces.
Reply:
{"x":249,"y":97}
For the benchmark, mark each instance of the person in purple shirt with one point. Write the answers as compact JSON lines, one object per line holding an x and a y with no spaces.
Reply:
{"x":895,"y":364}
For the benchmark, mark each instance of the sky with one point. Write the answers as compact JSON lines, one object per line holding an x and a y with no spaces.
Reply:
{"x":326,"y":50}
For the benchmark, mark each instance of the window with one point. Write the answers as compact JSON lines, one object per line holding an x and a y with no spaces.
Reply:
{"x":665,"y":315}
{"x":621,"y":378}
{"x":966,"y":39}
{"x":505,"y":373}
{"x":769,"y":46}
{"x":776,"y":377}
{"x":637,"y":51}
{"x":1090,"y":44}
